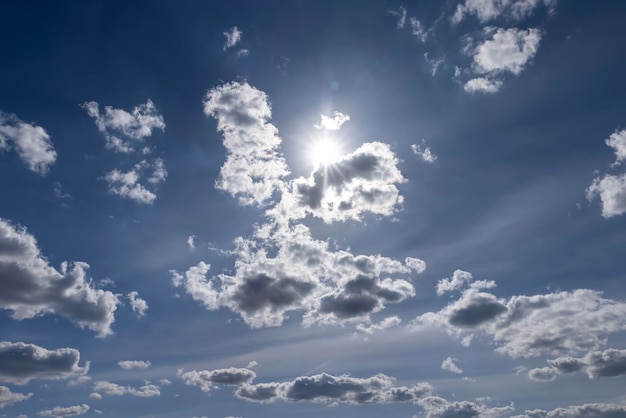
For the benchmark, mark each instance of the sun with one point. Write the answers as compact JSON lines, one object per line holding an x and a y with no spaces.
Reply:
{"x":324,"y":151}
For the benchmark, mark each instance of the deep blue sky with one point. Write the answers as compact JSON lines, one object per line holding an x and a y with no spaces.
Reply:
{"x":480,"y":191}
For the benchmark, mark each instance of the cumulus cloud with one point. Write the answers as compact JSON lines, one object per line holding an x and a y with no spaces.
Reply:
{"x":595,"y":410}
{"x":8,"y":398}
{"x":486,"y":10}
{"x":424,"y":152}
{"x":507,"y":50}
{"x":334,"y":123}
{"x":482,"y":85}
{"x":133,"y":364}
{"x":233,"y":36}
{"x":437,"y":407}
{"x":607,"y":363}
{"x":124,"y":130}
{"x":450,"y":365}
{"x":146,"y":391}
{"x":254,"y":168}
{"x":31,"y":142}
{"x":127,"y":184}
{"x":617,"y":141}
{"x":543,"y":374}
{"x":389,"y":322}
{"x":612,"y":192}
{"x":67,"y":411}
{"x":138,"y":305}
{"x":20,"y":363}
{"x":30,"y":286}
{"x":191,"y":242}
{"x":206,"y":380}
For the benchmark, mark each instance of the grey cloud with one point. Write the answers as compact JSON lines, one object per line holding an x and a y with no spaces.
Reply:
{"x":566,"y":364}
{"x":474,"y":309}
{"x":261,"y":291}
{"x":66,"y":411}
{"x":208,"y":379}
{"x":543,"y":374}
{"x":486,"y":10}
{"x":21,"y":363}
{"x":31,"y":142}
{"x":108,"y":388}
{"x":31,"y":287}
{"x":437,"y":407}
{"x":233,"y":36}
{"x":594,"y":410}
{"x":260,"y":392}
{"x":8,"y":398}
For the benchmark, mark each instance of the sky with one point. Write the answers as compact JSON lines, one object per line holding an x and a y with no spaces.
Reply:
{"x":308,"y":208}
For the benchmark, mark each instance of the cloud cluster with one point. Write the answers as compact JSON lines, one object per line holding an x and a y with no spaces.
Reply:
{"x":31,"y":142}
{"x":612,"y":188}
{"x":233,"y":36}
{"x":334,"y":123}
{"x":113,"y":389}
{"x":127,"y":184}
{"x":595,"y":410}
{"x":30,"y":286}
{"x":138,"y":305}
{"x":20,"y":363}
{"x":133,"y":364}
{"x":424,"y":152}
{"x":607,"y":363}
{"x":450,"y":365}
{"x":487,"y":10}
{"x":8,"y":398}
{"x":66,"y":411}
{"x":437,"y":407}
{"x":206,"y":380}
{"x":528,"y":326}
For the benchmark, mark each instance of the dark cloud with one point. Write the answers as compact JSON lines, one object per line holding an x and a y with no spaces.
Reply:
{"x":21,"y":362}
{"x":605,"y":363}
{"x":594,"y":410}
{"x":260,"y":392}
{"x":567,"y":364}
{"x":437,"y":407}
{"x":261,"y":291}
{"x":208,"y":379}
{"x":474,"y":309}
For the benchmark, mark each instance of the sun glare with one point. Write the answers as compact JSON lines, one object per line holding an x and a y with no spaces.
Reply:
{"x":325,"y":151}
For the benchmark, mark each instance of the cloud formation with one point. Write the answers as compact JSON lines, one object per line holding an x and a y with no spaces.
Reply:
{"x":8,"y":398}
{"x":437,"y":407}
{"x":450,"y":365}
{"x":138,"y":305}
{"x":127,"y":184}
{"x":486,"y":10}
{"x":31,"y":142}
{"x":206,"y":380}
{"x":113,"y":389}
{"x":233,"y":36}
{"x":424,"y":152}
{"x":595,"y":410}
{"x":67,"y":411}
{"x":334,"y":123}
{"x":133,"y":364}
{"x":30,"y":286}
{"x":20,"y":363}
{"x":607,"y":363}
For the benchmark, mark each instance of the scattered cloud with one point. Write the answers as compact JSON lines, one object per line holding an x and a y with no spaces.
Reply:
{"x":243,"y":53}
{"x":507,"y":50}
{"x":58,"y":191}
{"x":333,"y":123}
{"x":8,"y":398}
{"x":450,"y":365}
{"x":233,"y":36}
{"x":206,"y":380}
{"x":20,"y":363}
{"x":595,"y":410}
{"x":31,"y":286}
{"x":607,"y":363}
{"x":386,"y":323}
{"x":133,"y":364}
{"x":191,"y":242}
{"x":423,"y":152}
{"x":418,"y":30}
{"x":68,"y":411}
{"x":127,"y":184}
{"x":487,"y":10}
{"x":138,"y":305}
{"x":433,"y":63}
{"x":146,"y":391}
{"x":401,"y":15}
{"x":617,"y":141}
{"x":31,"y":142}
{"x":612,"y":192}
{"x":437,"y":407}
{"x":482,"y":85}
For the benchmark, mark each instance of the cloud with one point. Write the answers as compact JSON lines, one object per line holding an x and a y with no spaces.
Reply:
{"x":486,"y":10}
{"x":31,"y":142}
{"x":607,"y":363}
{"x":127,"y":184}
{"x":113,"y":389}
{"x":450,"y":365}
{"x":20,"y":363}
{"x":334,"y":123}
{"x":423,"y":152}
{"x":418,"y":30}
{"x":482,"y":85}
{"x":529,"y":326}
{"x":233,"y":36}
{"x":362,"y":181}
{"x":8,"y":398}
{"x":543,"y":374}
{"x":69,"y":411}
{"x":595,"y":410}
{"x":386,"y":323}
{"x":133,"y":126}
{"x":459,"y":279}
{"x":401,"y":15}
{"x":190,"y":242}
{"x":206,"y":380}
{"x":612,"y":192}
{"x":507,"y":50}
{"x":31,"y":287}
{"x":617,"y":141}
{"x":253,"y":169}
{"x":437,"y":407}
{"x":58,"y":191}
{"x":139,"y":305}
{"x":133,"y":364}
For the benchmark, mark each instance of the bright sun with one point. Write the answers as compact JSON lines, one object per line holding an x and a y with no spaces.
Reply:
{"x":324,"y":151}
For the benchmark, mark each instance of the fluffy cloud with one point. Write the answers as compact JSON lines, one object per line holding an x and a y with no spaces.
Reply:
{"x":612,"y":192}
{"x":146,"y":391}
{"x":133,"y":126}
{"x":233,"y":36}
{"x":528,"y":326}
{"x":133,"y":364}
{"x":424,"y":152}
{"x":617,"y":141}
{"x":138,"y":305}
{"x":607,"y":363}
{"x":21,"y":362}
{"x":507,"y":50}
{"x":31,"y":142}
{"x":127,"y":184}
{"x":8,"y":398}
{"x":595,"y":410}
{"x":209,"y":379}
{"x":253,"y":169}
{"x":68,"y":411}
{"x":334,"y":123}
{"x":389,"y":322}
{"x":450,"y":365}
{"x":486,"y":10}
{"x":482,"y":85}
{"x":543,"y":374}
{"x":437,"y":407}
{"x":31,"y":287}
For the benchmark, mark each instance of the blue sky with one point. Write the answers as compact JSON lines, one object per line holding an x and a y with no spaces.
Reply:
{"x":260,"y":209}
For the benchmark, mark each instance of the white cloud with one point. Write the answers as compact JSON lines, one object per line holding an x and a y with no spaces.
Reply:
{"x":127,"y":184}
{"x":134,"y":126}
{"x":482,"y":85}
{"x":386,"y":323}
{"x":243,"y":53}
{"x":254,"y":168}
{"x":423,"y":152}
{"x":138,"y":305}
{"x":190,"y":242}
{"x":507,"y":50}
{"x":617,"y":141}
{"x":595,"y":410}
{"x":437,"y":407}
{"x":8,"y":398}
{"x":31,"y":287}
{"x":459,"y":279}
{"x":209,"y":379}
{"x":113,"y":389}
{"x":31,"y":142}
{"x":543,"y":374}
{"x":450,"y":365}
{"x":486,"y":10}
{"x":401,"y":15}
{"x":612,"y":192}
{"x":133,"y":364}
{"x":434,"y":63}
{"x":333,"y":123}
{"x":20,"y":363}
{"x":233,"y":36}
{"x":68,"y":411}
{"x":418,"y":30}
{"x":607,"y":363}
